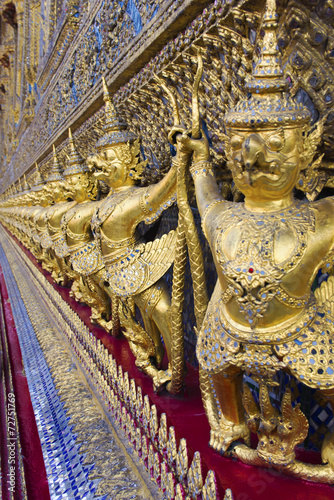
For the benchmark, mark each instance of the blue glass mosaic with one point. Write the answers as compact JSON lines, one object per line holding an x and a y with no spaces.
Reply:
{"x":66,"y":473}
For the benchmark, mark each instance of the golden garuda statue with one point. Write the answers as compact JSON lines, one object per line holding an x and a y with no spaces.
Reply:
{"x":262,"y":316}
{"x":133,"y":267}
{"x":81,"y":255}
{"x":97,"y":247}
{"x":54,"y":197}
{"x":35,"y":196}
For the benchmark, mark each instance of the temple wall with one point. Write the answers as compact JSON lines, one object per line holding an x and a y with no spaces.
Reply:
{"x":58,"y":63}
{"x":53,"y":55}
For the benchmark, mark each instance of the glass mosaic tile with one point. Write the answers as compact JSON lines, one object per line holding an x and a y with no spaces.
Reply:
{"x":66,"y":473}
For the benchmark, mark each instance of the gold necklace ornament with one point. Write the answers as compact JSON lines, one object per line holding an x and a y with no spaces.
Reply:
{"x":253,"y":277}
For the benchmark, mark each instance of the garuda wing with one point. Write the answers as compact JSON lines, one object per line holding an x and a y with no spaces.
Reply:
{"x":141,"y":266}
{"x":325,"y":295}
{"x":159,"y":256}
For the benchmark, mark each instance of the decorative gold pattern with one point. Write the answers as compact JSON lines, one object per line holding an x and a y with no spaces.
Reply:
{"x":262,"y":316}
{"x":252,"y":276}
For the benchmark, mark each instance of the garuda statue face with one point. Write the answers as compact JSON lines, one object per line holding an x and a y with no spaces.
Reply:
{"x":266,"y":163}
{"x":81,"y":187}
{"x":117,"y":161}
{"x":118,"y":165}
{"x":58,"y":191}
{"x":109,"y":167}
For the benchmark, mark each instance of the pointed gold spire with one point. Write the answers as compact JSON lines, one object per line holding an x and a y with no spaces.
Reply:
{"x":76,"y":162}
{"x":55,"y":158}
{"x":269,"y":104}
{"x":110,"y":108}
{"x":115,"y":129}
{"x":38,"y":183}
{"x":195,"y":478}
{"x":171,"y":448}
{"x":112,"y":122}
{"x":268,"y":74}
{"x":39,"y":179}
{"x":70,"y":136}
{"x":72,"y":146}
{"x":209,"y":491}
{"x":55,"y":171}
{"x":25,"y":184}
{"x":153,"y":422}
{"x":105,"y":89}
{"x":182,"y":460}
{"x":162,"y":434}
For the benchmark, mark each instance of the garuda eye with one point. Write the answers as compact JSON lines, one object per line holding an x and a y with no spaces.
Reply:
{"x":236,"y":142}
{"x":275,"y":142}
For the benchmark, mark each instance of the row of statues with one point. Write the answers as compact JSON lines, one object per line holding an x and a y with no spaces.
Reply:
{"x":95,"y":245}
{"x":262,"y":317}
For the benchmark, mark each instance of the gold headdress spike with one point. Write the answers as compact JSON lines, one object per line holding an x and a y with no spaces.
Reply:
{"x":38,"y":184}
{"x":115,"y":129}
{"x":109,"y":106}
{"x":76,"y":162}
{"x":269,"y":104}
{"x":31,"y":180}
{"x":25,"y":184}
{"x":268,"y":74}
{"x":38,"y":179}
{"x":55,"y":172}
{"x":70,"y":137}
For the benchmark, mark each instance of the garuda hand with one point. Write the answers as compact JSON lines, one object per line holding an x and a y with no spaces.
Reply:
{"x":175,"y":137}
{"x":199,"y":147}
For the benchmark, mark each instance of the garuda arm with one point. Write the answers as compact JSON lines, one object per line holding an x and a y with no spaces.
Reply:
{"x":154,"y":199}
{"x":206,"y":188}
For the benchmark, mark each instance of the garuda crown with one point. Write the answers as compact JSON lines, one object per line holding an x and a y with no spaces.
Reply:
{"x":269,"y":104}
